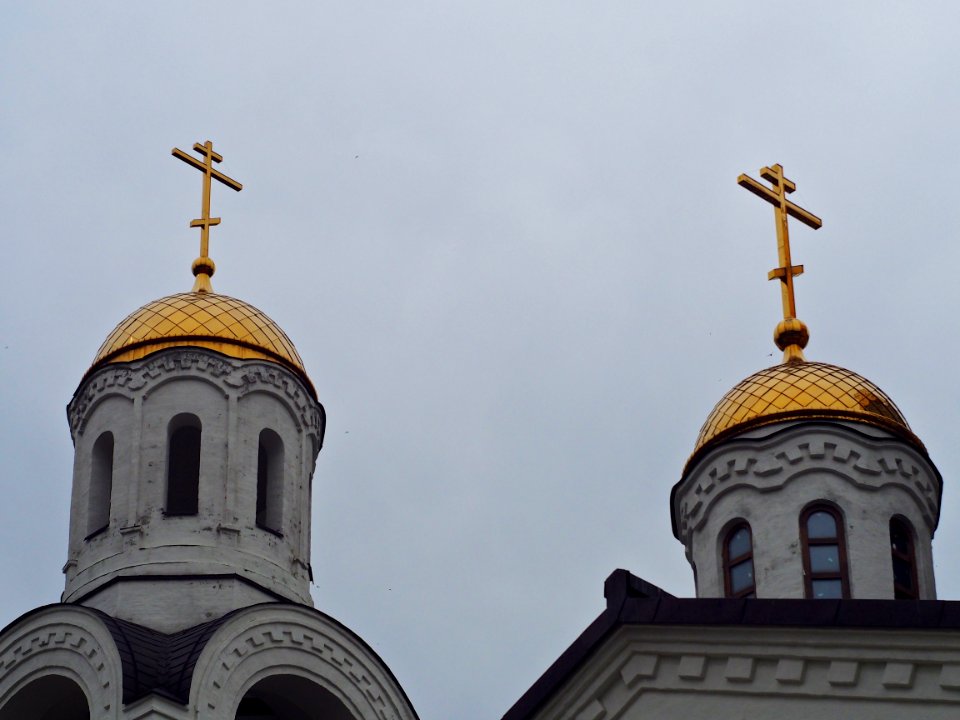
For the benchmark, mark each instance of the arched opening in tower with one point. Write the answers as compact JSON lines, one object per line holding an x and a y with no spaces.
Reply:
{"x":290,"y":697}
{"x":53,"y":697}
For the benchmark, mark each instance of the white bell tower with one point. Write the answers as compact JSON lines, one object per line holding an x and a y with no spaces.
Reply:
{"x":806,"y":480}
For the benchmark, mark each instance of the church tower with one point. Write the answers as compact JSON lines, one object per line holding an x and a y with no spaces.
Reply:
{"x":196,"y":432}
{"x":806,"y":480}
{"x":807,"y":510}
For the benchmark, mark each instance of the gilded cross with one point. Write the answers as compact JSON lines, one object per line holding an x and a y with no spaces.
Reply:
{"x":777,"y":196}
{"x":203,"y":266}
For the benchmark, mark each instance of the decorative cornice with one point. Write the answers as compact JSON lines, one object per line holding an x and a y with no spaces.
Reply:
{"x":233,"y":377}
{"x":846,"y":666}
{"x":767,"y":464}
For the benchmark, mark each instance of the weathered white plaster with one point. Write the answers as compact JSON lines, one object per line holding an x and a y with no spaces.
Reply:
{"x":769,"y":476}
{"x":739,"y":671}
{"x":234,"y":401}
{"x":163,"y":599}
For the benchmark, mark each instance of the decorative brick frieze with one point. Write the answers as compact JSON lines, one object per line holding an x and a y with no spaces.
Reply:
{"x":766,"y":464}
{"x":58,"y":641}
{"x":687,"y":663}
{"x":639,"y":667}
{"x":692,"y":667}
{"x":234,"y":377}
{"x":843,"y":673}
{"x":790,"y":671}
{"x":593,"y":711}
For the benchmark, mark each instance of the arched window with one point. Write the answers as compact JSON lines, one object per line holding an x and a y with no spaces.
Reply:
{"x":270,"y":482}
{"x":824,"y":553}
{"x":101,"y":485}
{"x":738,"y":576}
{"x":905,"y":585}
{"x":183,"y":465}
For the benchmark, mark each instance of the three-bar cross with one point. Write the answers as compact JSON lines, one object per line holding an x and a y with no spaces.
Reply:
{"x":777,"y":196}
{"x":203,"y":265}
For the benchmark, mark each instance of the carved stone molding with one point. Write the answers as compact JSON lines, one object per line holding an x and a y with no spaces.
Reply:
{"x":235,"y":377}
{"x":264,"y":637}
{"x":58,"y":639}
{"x":768,"y":464}
{"x":617,"y":678}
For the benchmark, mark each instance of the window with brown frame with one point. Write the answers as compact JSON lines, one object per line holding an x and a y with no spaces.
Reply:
{"x":905,"y":585}
{"x":824,"y":553}
{"x":738,"y":575}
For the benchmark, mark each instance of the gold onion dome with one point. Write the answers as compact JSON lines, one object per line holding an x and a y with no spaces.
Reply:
{"x":796,"y":389}
{"x":801,"y":390}
{"x":204,"y":320}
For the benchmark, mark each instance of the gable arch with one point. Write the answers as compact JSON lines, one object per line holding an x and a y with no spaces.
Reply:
{"x":269,"y":392}
{"x":276,"y":639}
{"x":65,"y":641}
{"x":91,"y":409}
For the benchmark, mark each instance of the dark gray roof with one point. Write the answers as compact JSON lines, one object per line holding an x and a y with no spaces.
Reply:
{"x":633,"y":601}
{"x":154,"y":662}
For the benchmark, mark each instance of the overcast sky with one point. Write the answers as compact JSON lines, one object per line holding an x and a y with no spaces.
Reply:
{"x":508,"y":243}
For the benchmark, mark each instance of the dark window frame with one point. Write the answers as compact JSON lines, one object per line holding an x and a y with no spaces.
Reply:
{"x":730,"y":562}
{"x":839,"y":539}
{"x":182,"y":496}
{"x":270,"y":482}
{"x":910,"y":557}
{"x":100,"y":490}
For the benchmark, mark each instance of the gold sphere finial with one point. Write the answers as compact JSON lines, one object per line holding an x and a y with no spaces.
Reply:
{"x":203,"y":269}
{"x":791,"y":335}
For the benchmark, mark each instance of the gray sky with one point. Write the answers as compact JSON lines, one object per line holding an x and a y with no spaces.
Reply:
{"x":507,"y":240}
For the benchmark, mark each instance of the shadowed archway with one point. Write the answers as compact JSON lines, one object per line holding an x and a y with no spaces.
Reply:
{"x":53,"y":697}
{"x":289,"y":697}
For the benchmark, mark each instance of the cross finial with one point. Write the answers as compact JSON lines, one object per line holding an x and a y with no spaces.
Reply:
{"x":203,"y":266}
{"x":791,"y":334}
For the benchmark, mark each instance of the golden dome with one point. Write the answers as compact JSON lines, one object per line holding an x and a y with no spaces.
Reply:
{"x":201,"y":319}
{"x":801,"y":391}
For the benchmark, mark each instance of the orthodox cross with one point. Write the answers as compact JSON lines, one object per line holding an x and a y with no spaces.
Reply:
{"x":203,"y":266}
{"x":781,"y":209}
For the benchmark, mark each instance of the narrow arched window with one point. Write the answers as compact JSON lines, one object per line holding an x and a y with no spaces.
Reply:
{"x":183,"y":465}
{"x":905,"y":585}
{"x":270,"y":482}
{"x":738,"y":562}
{"x":824,"y":553}
{"x":101,"y":485}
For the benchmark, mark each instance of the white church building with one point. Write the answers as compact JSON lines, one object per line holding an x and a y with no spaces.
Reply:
{"x":807,"y":510}
{"x":196,"y":431}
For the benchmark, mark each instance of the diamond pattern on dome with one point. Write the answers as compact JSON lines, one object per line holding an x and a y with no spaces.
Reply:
{"x":801,"y":390}
{"x":217,"y":322}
